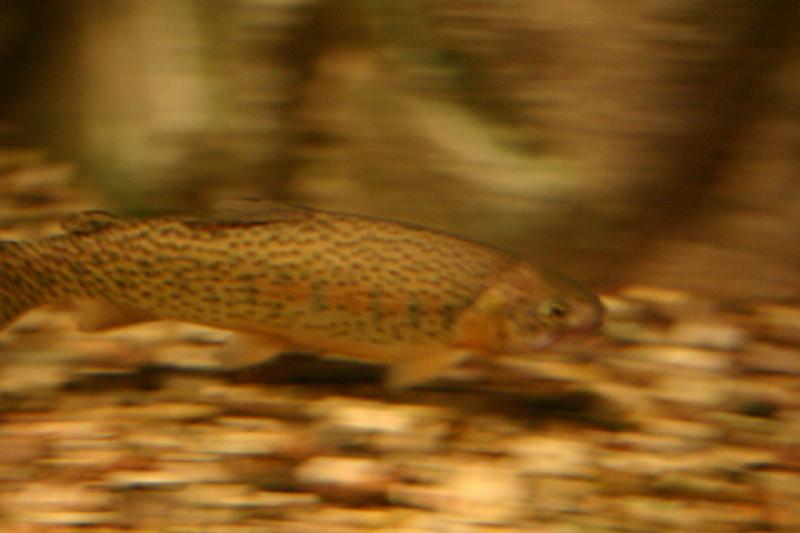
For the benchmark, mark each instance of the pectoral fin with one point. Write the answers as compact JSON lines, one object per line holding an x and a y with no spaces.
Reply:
{"x":421,"y":369}
{"x":249,"y":349}
{"x":100,"y":315}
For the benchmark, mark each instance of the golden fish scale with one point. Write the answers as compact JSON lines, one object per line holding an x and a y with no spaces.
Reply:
{"x":337,"y":276}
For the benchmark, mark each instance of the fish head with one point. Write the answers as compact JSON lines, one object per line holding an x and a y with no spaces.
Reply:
{"x":528,"y":309}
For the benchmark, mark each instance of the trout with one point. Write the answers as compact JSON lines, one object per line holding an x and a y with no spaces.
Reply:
{"x":294,"y":279}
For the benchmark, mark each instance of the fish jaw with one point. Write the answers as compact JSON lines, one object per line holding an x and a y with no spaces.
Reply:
{"x":588,"y":316}
{"x":526,"y":310}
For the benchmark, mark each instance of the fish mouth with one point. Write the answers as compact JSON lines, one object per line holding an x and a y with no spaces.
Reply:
{"x":542,"y":342}
{"x":590,"y":327}
{"x":577,"y":332}
{"x":590,"y":322}
{"x":568,"y":333}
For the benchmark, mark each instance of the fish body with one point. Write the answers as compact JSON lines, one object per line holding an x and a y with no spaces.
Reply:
{"x":416,"y":299}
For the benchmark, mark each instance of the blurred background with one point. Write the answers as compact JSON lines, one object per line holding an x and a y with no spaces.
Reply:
{"x":640,"y":142}
{"x":638,"y":146}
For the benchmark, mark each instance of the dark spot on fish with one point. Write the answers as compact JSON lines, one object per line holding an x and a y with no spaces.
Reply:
{"x":318,"y":296}
{"x":122,"y":284}
{"x":375,"y":308}
{"x":448,"y":316}
{"x":276,"y":308}
{"x":78,"y":269}
{"x":414,"y":312}
{"x":44,"y":278}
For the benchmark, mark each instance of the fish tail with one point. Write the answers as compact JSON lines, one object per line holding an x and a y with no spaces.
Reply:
{"x":20,"y":288}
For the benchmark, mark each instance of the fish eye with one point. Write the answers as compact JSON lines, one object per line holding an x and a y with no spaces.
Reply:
{"x":553,"y":309}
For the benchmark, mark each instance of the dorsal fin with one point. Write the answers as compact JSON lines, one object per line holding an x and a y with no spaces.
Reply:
{"x":249,"y":212}
{"x":257,"y":209}
{"x":89,"y":222}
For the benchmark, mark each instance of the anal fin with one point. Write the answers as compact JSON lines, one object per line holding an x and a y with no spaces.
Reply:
{"x":248,"y":349}
{"x":101,"y":315}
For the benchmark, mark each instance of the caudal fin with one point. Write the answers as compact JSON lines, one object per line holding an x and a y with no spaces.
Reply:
{"x":19,"y":290}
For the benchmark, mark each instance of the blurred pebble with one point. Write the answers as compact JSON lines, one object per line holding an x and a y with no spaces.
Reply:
{"x":715,"y":335}
{"x":475,"y":491}
{"x":687,"y":430}
{"x":763,"y":390}
{"x":195,"y":469}
{"x":60,"y":497}
{"x":85,"y":460}
{"x":729,"y":458}
{"x":782,"y":488}
{"x":562,"y":496}
{"x":241,"y":495}
{"x":154,"y":439}
{"x":653,"y":443}
{"x":344,"y":478}
{"x":694,"y":485}
{"x":274,"y":401}
{"x":47,"y":426}
{"x":172,"y":411}
{"x":551,"y":456}
{"x":780,"y":322}
{"x":482,"y":433}
{"x":702,"y":392}
{"x":32,"y":378}
{"x":279,"y":440}
{"x":360,"y":519}
{"x":632,"y":399}
{"x":658,"y":295}
{"x":69,"y":518}
{"x":379,"y":425}
{"x":640,"y":463}
{"x":59,"y":504}
{"x":779,"y":315}
{"x":144,"y":478}
{"x":20,"y":449}
{"x":683,"y":357}
{"x":768,"y":357}
{"x":658,"y":513}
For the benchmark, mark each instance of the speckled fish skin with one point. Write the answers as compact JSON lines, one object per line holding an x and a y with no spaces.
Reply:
{"x":322,"y":281}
